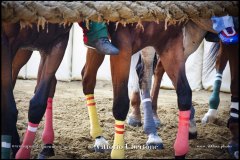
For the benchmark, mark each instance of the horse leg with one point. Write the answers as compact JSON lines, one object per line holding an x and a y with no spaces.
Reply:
{"x":121,"y":100}
{"x":214,"y":99}
{"x":233,"y":121}
{"x":9,"y":111}
{"x":145,"y":71}
{"x":134,"y":118}
{"x":48,"y":132}
{"x":176,"y":72}
{"x":21,"y":58}
{"x":89,"y":74}
{"x":38,"y":102}
{"x":158,"y":74}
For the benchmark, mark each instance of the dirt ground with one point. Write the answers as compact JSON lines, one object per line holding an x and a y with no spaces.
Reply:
{"x":71,"y":123}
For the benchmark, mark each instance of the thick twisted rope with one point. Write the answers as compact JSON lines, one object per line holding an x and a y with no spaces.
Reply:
{"x":124,"y":12}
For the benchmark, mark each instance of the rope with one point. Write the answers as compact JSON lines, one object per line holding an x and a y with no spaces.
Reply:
{"x":124,"y":12}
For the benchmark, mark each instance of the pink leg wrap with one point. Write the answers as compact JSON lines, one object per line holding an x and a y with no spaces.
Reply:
{"x":48,"y":134}
{"x":25,"y":150}
{"x":181,"y":144}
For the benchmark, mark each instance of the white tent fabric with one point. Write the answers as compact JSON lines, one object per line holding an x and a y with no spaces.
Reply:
{"x":75,"y":58}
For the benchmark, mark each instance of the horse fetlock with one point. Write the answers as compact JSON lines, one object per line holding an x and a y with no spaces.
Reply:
{"x":157,"y":121}
{"x":192,"y":129}
{"x":214,"y":101}
{"x":192,"y":126}
{"x":118,"y":149}
{"x":48,"y":136}
{"x":210,"y":116}
{"x":133,"y":121}
{"x":96,"y":131}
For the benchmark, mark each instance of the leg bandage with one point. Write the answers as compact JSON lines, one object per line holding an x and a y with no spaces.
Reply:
{"x":118,"y":150}
{"x":181,"y":144}
{"x":25,"y":150}
{"x":149,"y":125}
{"x":48,"y":133}
{"x":214,"y":98}
{"x":95,"y":130}
{"x":234,"y":109}
{"x":6,"y":146}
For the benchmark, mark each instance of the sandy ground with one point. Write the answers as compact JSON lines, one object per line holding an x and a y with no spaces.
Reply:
{"x":71,"y":123}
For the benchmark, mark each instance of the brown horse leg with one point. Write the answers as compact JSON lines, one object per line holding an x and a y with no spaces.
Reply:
{"x":134,"y":118}
{"x":38,"y":102}
{"x":158,"y":74}
{"x":9,"y":111}
{"x":21,"y":58}
{"x":89,"y":74}
{"x":120,"y":66}
{"x":233,"y":122}
{"x":214,"y":99}
{"x":176,"y":71}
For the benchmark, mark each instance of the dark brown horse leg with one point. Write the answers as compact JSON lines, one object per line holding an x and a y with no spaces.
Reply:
{"x":120,"y":66}
{"x":38,"y":102}
{"x":89,"y":74}
{"x":233,"y":122}
{"x":176,"y":71}
{"x":134,"y":118}
{"x":9,"y":111}
{"x":21,"y":58}
{"x":158,"y":74}
{"x":214,"y":99}
{"x":48,"y":132}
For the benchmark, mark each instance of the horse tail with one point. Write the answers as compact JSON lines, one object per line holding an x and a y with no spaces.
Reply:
{"x":211,"y":59}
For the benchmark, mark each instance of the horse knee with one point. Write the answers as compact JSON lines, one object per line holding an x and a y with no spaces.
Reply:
{"x":36,"y":110}
{"x":88,"y":84}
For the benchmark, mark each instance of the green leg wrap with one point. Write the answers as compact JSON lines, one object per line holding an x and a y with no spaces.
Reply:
{"x":214,"y":98}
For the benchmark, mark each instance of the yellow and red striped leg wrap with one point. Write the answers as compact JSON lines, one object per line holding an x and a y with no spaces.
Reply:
{"x":118,"y":150}
{"x":95,"y":129}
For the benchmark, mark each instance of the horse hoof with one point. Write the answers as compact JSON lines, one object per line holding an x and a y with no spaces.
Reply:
{"x":101,"y":145}
{"x":210,"y":116}
{"x":236,"y":154}
{"x":133,"y":122}
{"x":233,"y":149}
{"x":192,"y":135}
{"x":180,"y":157}
{"x":47,"y":151}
